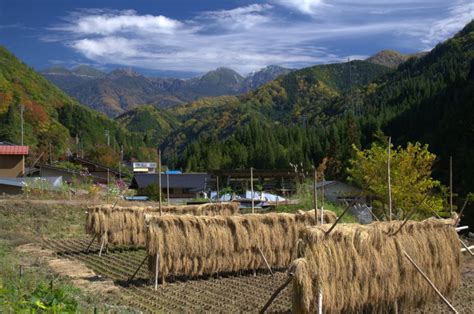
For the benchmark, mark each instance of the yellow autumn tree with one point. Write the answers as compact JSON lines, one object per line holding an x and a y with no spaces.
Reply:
{"x":414,"y":191}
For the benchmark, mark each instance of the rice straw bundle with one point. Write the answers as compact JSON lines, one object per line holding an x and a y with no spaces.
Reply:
{"x":363,"y":268}
{"x":198,"y":245}
{"x":125,"y":225}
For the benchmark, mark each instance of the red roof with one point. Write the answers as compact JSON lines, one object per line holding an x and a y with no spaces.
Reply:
{"x":13,"y":150}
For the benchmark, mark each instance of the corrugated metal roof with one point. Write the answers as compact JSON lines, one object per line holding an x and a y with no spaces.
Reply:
{"x":192,"y":181}
{"x":48,"y":182}
{"x":13,"y":150}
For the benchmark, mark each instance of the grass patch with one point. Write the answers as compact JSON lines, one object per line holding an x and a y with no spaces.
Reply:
{"x":31,"y":289}
{"x":306,"y":202}
{"x":26,"y":221}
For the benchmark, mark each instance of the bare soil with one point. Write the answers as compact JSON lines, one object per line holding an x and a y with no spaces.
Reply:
{"x":232,"y":293}
{"x":81,"y":276}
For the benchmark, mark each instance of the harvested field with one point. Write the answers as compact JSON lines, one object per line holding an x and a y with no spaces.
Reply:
{"x":364,"y":268}
{"x":222,"y":294}
{"x":199,"y":245}
{"x":125,"y":225}
{"x":225,"y":294}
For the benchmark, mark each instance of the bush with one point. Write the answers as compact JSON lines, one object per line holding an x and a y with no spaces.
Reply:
{"x":152,"y":191}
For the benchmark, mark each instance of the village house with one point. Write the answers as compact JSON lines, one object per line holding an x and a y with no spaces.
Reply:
{"x":12,"y":160}
{"x":181,"y":185}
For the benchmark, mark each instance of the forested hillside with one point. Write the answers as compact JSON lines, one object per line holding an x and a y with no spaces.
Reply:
{"x":290,"y":119}
{"x":121,"y":90}
{"x":321,"y":111}
{"x":54,"y":119}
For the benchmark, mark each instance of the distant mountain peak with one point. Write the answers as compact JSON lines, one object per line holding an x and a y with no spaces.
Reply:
{"x":389,"y":58}
{"x":86,"y":70}
{"x":257,"y":78}
{"x":56,"y":69}
{"x":221,"y":75}
{"x":123,"y":72}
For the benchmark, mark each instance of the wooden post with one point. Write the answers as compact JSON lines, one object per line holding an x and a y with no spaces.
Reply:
{"x":462,"y":211}
{"x":322,"y":191}
{"x":217,"y":188}
{"x":89,"y":246}
{"x":343,"y":213}
{"x":157,"y":264}
{"x":251,"y":188}
{"x":315,"y":194}
{"x":107,"y":135}
{"x":120,"y":163}
{"x":136,"y":271}
{"x":265,"y":260}
{"x":467,"y":248}
{"x":451,"y":184}
{"x":50,"y":154}
{"x":430,"y":282}
{"x":389,"y":183}
{"x":275,"y":294}
{"x":159,"y":181}
{"x":320,"y":293}
{"x":108,"y":182}
{"x":320,"y":302}
{"x":168,"y":188}
{"x":102,"y":245}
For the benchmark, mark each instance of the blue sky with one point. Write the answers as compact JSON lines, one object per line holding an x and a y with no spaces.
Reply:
{"x":185,"y":38}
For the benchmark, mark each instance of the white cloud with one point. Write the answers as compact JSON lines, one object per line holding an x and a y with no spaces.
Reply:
{"x":116,"y":47}
{"x":241,"y":17}
{"x":250,"y":37}
{"x":460,"y":13}
{"x":112,"y":22}
{"x":303,"y":6}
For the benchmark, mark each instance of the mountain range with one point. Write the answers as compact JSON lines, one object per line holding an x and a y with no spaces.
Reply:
{"x":321,"y":111}
{"x":123,"y":89}
{"x":300,"y":117}
{"x":120,"y":90}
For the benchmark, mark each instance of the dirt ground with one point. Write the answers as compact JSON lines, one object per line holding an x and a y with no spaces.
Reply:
{"x":244,"y":293}
{"x":463,"y":299}
{"x":59,"y":228}
{"x":80,"y":275}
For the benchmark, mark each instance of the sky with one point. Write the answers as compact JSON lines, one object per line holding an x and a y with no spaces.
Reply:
{"x":183,"y":38}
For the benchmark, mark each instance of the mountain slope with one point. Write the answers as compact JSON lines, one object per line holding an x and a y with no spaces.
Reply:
{"x":51,"y":117}
{"x":154,"y":124}
{"x":392,"y":58}
{"x":222,"y":81}
{"x":122,"y":90}
{"x":388,"y":58}
{"x":256,"y":79}
{"x":316,"y":112}
{"x":303,"y":96}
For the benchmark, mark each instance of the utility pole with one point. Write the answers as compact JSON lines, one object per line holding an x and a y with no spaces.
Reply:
{"x":251,"y":188}
{"x":217,"y":188}
{"x":315,"y":194}
{"x":389,"y":183}
{"x":120,"y":162}
{"x":168,"y":188}
{"x":22,"y":110}
{"x":50,"y":154}
{"x":451,"y":184}
{"x":159,"y":181}
{"x":107,"y":135}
